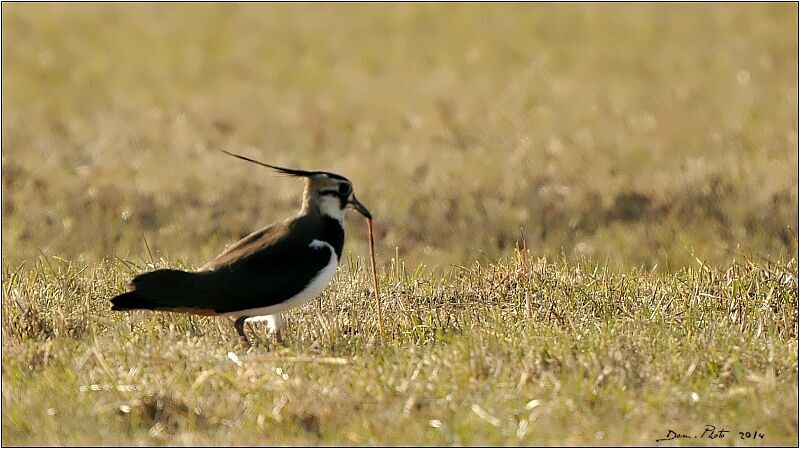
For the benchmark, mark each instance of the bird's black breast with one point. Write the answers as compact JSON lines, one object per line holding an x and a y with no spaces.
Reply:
{"x":333,"y":233}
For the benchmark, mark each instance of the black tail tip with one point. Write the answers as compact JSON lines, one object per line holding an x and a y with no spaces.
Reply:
{"x":129,"y":301}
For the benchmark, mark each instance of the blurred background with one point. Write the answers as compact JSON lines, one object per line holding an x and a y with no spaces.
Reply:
{"x":636,"y":135}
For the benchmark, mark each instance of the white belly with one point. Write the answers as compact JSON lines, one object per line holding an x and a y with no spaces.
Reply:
{"x":311,"y":291}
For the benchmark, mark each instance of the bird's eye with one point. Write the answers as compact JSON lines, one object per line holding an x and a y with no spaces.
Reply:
{"x":344,"y":189}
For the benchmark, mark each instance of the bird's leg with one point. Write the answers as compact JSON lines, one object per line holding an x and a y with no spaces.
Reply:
{"x":239,"y":325}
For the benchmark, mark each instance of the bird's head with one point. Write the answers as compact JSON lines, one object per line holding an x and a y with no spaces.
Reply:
{"x":325,"y":193}
{"x":331,"y":194}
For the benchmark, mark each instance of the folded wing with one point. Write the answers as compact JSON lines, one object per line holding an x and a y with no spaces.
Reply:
{"x":263,"y":269}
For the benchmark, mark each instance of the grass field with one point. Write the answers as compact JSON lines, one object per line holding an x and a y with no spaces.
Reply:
{"x":646,"y":154}
{"x":521,"y":352}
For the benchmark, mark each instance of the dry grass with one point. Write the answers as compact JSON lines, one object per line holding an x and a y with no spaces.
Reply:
{"x":517,"y":352}
{"x":649,"y":150}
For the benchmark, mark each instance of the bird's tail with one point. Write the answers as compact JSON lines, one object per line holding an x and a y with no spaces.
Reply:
{"x":164,"y":290}
{"x":131,"y":301}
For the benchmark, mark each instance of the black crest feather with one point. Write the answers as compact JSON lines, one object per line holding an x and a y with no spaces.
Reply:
{"x":288,"y":171}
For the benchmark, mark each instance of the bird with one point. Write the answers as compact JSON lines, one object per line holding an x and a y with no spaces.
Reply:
{"x":282,"y":266}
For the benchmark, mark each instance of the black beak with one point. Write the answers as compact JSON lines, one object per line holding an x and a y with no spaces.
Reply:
{"x":360,"y":208}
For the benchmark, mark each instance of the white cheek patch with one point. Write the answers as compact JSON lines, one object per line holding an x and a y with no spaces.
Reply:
{"x":332,"y":207}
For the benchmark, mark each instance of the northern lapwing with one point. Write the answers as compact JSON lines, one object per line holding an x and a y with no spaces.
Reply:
{"x":281,"y":266}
